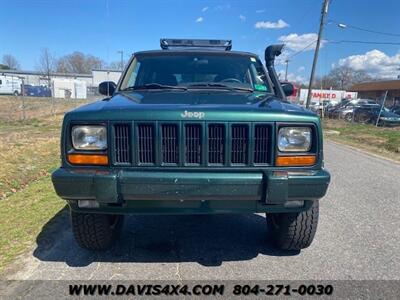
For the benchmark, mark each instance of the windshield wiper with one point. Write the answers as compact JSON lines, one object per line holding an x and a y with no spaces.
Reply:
{"x":153,"y":86}
{"x":266,"y":99}
{"x":219,"y":85}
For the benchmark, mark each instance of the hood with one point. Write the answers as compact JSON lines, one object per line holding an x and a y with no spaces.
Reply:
{"x":173,"y":104}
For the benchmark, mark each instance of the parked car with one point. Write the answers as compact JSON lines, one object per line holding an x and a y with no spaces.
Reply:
{"x":10,"y":85}
{"x":346,"y":108}
{"x":37,"y":91}
{"x":364,"y":101}
{"x":44,"y":91}
{"x":194,"y":128}
{"x":340,"y":111}
{"x":348,"y":114}
{"x":329,"y":107}
{"x":332,"y":111}
{"x":395,"y":109}
{"x":28,"y":90}
{"x":315,"y":107}
{"x":371,"y":113}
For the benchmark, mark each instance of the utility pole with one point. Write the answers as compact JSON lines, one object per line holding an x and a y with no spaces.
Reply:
{"x":286,"y":71}
{"x":380,"y":111}
{"x":324,"y":12}
{"x":122,"y":58}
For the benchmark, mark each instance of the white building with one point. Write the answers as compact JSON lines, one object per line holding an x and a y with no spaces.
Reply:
{"x":69,"y":88}
{"x":38,"y":78}
{"x":69,"y":85}
{"x":105,"y":75}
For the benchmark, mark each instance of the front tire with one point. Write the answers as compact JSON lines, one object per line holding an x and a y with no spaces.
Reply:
{"x":294,"y":231}
{"x":349,"y":117}
{"x":96,"y":231}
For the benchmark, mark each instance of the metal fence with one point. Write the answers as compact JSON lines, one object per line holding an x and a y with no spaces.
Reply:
{"x":377,"y":112}
{"x":20,"y":108}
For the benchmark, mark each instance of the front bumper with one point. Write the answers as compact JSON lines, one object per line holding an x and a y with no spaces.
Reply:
{"x":127,"y":191}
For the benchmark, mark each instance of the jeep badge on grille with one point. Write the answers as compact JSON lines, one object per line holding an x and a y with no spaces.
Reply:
{"x":193,"y":114}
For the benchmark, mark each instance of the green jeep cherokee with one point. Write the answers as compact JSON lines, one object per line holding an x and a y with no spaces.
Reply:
{"x":194,"y":128}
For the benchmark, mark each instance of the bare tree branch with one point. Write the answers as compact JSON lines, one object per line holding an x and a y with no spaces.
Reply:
{"x":11,"y":62}
{"x":341,"y":78}
{"x":46,"y":63}
{"x":78,"y":62}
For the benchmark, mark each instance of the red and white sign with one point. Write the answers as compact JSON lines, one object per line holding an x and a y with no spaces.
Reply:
{"x":332,"y":95}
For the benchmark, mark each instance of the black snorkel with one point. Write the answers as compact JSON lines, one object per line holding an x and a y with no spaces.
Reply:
{"x":270,"y":53}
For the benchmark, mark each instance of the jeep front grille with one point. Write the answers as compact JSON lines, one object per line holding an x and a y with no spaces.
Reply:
{"x":192,"y":144}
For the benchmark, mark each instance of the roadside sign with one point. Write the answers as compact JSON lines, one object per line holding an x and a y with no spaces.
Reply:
{"x":332,"y":95}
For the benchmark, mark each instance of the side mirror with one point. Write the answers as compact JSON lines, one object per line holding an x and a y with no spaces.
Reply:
{"x":107,"y":88}
{"x":287,"y":88}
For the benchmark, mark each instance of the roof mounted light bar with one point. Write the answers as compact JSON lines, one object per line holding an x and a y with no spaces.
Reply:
{"x":184,"y":43}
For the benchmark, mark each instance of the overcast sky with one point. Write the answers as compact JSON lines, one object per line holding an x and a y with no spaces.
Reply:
{"x":103,"y":27}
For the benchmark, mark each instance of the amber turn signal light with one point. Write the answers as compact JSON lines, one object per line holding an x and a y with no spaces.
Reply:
{"x":296,"y":161}
{"x":88,"y":159}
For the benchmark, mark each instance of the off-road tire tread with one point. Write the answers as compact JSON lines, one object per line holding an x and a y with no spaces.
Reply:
{"x":94,"y":231}
{"x":296,"y":230}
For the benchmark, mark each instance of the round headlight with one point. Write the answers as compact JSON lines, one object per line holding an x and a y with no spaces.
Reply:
{"x":294,"y":139}
{"x":89,"y":137}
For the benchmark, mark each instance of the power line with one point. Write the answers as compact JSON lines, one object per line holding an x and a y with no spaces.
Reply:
{"x":364,"y":42}
{"x":344,"y":25}
{"x":340,"y":42}
{"x":301,"y":50}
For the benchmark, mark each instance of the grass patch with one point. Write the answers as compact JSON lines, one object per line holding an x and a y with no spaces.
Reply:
{"x":23,"y":215}
{"x":28,"y":151}
{"x":384,"y":141}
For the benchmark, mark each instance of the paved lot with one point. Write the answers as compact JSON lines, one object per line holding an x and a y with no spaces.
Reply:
{"x":358,"y":238}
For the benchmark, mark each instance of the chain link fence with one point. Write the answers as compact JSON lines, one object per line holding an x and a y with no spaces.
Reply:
{"x":21,"y":108}
{"x":365,"y":124}
{"x":363,"y":111}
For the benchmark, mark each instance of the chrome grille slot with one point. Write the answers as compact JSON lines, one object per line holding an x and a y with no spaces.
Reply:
{"x":239,"y":151}
{"x":122,"y":143}
{"x":169,"y":143}
{"x":216,"y":144}
{"x":146,"y":143}
{"x":193,"y":143}
{"x":261,"y":144}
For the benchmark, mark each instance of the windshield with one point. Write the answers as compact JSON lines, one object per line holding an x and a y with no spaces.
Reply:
{"x":192,"y":70}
